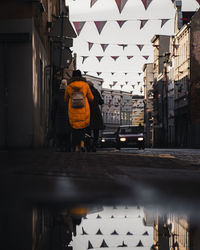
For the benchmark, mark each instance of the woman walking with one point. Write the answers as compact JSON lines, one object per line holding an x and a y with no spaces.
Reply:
{"x":78,"y":95}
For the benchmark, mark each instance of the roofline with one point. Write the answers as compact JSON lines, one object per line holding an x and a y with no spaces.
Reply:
{"x":95,"y":77}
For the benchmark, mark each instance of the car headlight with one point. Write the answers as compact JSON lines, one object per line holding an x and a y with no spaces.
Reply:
{"x":123,"y":139}
{"x":140,"y":138}
{"x":103,"y":140}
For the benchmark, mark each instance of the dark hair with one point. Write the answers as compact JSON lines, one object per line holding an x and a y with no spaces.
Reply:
{"x":76,"y":73}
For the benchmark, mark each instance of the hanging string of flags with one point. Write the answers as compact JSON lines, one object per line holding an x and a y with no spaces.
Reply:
{"x":100,"y":24}
{"x":123,"y":45}
{"x":112,"y":73}
{"x":99,"y":58}
{"x":121,"y":3}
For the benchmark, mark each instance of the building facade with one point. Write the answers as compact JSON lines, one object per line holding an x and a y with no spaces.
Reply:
{"x":138,"y":110}
{"x":97,"y":81}
{"x":148,"y":102}
{"x":117,"y":108}
{"x":161,"y":49}
{"x":26,"y":70}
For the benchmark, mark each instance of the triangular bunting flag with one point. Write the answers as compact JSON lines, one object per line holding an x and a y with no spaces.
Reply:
{"x":146,"y":57}
{"x":84,"y":58}
{"x":146,"y":3}
{"x":125,"y":73}
{"x":99,"y":73}
{"x":114,"y":83}
{"x":133,"y":86}
{"x":98,"y":216}
{"x":101,"y":82}
{"x":90,"y":245}
{"x":121,"y":22}
{"x":163,"y":21}
{"x":104,"y":46}
{"x":99,"y":232}
{"x":92,"y":2}
{"x":121,"y":86}
{"x":100,"y":25}
{"x":110,"y":86}
{"x":126,"y":83}
{"x":112,"y":217}
{"x":146,"y":233}
{"x":142,"y":23}
{"x":198,"y":1}
{"x":78,"y":26}
{"x":140,"y":244}
{"x":129,"y":233}
{"x":141,"y":90}
{"x":99,"y":58}
{"x":90,"y":45}
{"x":139,"y":73}
{"x":140,"y":46}
{"x":123,"y":45}
{"x":173,"y":1}
{"x":129,"y":57}
{"x":121,"y":4}
{"x":103,"y":244}
{"x":114,"y":57}
{"x":83,"y":231}
{"x":112,"y":73}
{"x":114,"y":233}
{"x":138,"y":83}
{"x":85,"y":72}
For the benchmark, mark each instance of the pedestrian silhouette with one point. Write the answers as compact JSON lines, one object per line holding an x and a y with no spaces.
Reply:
{"x":78,"y":95}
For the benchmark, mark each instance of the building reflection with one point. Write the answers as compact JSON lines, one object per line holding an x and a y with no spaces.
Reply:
{"x":113,"y":227}
{"x":175,"y":232}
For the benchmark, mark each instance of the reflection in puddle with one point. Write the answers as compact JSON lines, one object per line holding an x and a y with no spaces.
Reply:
{"x":113,"y":227}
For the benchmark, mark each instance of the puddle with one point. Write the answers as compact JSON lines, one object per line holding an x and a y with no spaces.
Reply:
{"x":114,"y":227}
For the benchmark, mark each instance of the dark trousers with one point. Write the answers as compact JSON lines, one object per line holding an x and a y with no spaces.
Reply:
{"x":78,"y":135}
{"x":63,"y":142}
{"x":91,"y":141}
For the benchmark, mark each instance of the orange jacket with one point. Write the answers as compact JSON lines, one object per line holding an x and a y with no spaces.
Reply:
{"x":79,"y":117}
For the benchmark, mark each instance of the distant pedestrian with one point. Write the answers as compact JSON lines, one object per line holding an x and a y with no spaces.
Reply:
{"x":78,"y":95}
{"x":60,"y":119}
{"x":96,"y":119}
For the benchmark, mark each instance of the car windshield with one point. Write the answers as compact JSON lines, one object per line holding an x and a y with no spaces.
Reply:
{"x":131,"y":130}
{"x":111,"y":135}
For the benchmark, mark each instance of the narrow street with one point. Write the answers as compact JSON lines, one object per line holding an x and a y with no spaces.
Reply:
{"x":128,"y":173}
{"x":46,"y":182}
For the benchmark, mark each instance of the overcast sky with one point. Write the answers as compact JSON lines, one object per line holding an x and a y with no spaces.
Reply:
{"x":130,"y":33}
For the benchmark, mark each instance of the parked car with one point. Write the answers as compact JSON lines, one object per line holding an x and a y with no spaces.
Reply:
{"x":130,"y":136}
{"x":108,"y":139}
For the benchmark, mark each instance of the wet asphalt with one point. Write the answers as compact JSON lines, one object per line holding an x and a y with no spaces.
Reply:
{"x":48,"y":178}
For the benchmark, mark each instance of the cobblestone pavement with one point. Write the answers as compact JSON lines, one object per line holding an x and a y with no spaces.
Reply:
{"x":190,"y":155}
